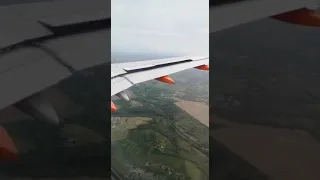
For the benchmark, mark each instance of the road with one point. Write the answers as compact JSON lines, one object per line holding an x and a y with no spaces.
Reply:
{"x":115,"y":175}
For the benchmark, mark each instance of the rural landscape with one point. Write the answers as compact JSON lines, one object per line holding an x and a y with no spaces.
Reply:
{"x":156,"y":135}
{"x":264,"y":117}
{"x":162,"y":132}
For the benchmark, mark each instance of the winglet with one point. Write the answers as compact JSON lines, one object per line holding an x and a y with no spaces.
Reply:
{"x":8,"y":151}
{"x":165,"y":79}
{"x":301,"y":16}
{"x":203,"y":67}
{"x":113,"y":107}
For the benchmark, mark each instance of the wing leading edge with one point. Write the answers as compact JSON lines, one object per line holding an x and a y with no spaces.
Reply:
{"x":126,"y":75}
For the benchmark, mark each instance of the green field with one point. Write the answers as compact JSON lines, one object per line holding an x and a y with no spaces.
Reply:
{"x":159,"y":138}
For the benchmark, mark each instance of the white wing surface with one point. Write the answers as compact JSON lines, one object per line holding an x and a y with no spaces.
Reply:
{"x":126,"y":75}
{"x":42,"y":43}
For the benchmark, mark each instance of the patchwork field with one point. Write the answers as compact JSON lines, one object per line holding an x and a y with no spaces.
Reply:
{"x":121,"y":126}
{"x":198,"y":110}
{"x":160,"y":147}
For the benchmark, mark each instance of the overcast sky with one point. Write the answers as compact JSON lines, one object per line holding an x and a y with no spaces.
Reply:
{"x":160,"y":26}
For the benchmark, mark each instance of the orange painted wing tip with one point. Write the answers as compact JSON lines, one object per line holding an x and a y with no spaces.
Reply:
{"x":8,"y":151}
{"x":165,"y":79}
{"x":113,"y":107}
{"x":301,"y":16}
{"x":203,"y":67}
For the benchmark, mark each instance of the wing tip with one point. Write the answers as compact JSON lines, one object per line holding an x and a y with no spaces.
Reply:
{"x":203,"y":67}
{"x":302,"y":16}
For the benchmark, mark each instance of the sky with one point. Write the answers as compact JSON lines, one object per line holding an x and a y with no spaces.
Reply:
{"x":178,"y":27}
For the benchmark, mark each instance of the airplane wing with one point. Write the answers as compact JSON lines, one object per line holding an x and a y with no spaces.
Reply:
{"x":230,"y":13}
{"x":55,"y":45}
{"x":42,"y":43}
{"x":125,"y":75}
{"x":223,"y":14}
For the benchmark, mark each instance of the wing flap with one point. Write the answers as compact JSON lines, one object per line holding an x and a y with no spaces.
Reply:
{"x":116,"y":71}
{"x":55,"y":13}
{"x":37,"y":58}
{"x":82,"y":50}
{"x":119,"y":84}
{"x":32,"y":72}
{"x":10,"y":33}
{"x":142,"y":76}
{"x":149,"y":70}
{"x":151,"y":63}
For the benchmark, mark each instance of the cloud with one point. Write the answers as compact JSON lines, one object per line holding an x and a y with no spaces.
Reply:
{"x":179,"y":27}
